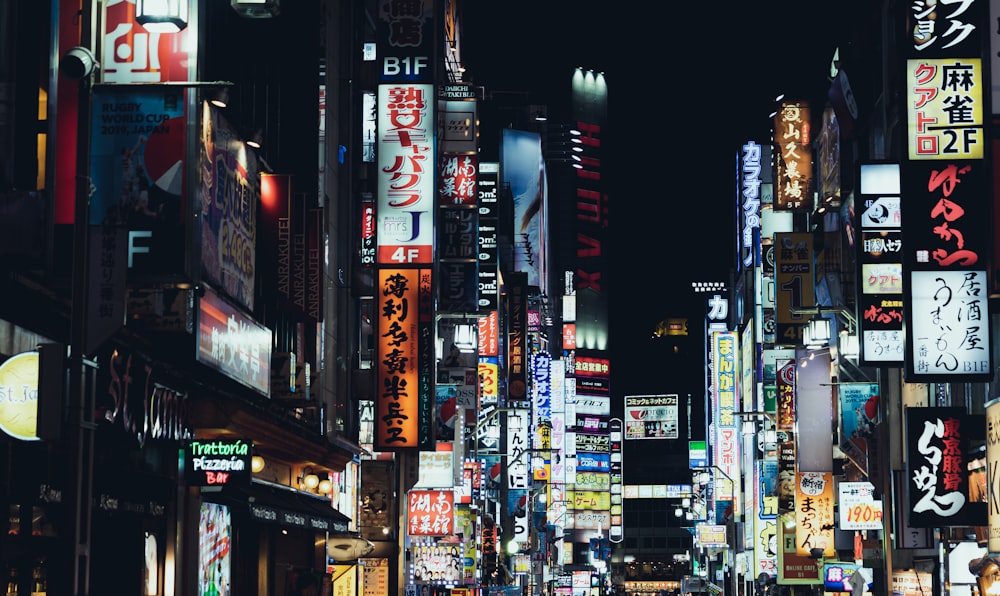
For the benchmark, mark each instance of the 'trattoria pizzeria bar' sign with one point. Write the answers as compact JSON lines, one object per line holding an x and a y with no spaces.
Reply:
{"x":218,"y":462}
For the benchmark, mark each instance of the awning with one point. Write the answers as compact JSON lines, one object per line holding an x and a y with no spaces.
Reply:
{"x":282,"y":506}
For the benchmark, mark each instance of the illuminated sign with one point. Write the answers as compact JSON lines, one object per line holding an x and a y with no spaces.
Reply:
{"x":430,"y":513}
{"x":793,"y":184}
{"x":232,"y":343}
{"x":406,"y":171}
{"x":217,"y":462}
{"x":399,"y":392}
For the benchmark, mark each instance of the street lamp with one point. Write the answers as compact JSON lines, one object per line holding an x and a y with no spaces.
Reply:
{"x":706,"y":470}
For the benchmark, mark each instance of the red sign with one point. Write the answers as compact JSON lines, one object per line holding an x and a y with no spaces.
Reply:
{"x":489,"y":334}
{"x":430,"y":513}
{"x":458,"y":180}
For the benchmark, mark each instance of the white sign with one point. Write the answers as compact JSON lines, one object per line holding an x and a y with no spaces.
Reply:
{"x":859,"y":510}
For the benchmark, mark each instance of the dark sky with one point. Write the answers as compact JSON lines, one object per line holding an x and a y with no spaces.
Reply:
{"x":687,"y":84}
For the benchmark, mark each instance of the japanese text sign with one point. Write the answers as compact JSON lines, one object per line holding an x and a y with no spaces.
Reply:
{"x":429,"y":512}
{"x":814,"y":523}
{"x":398,"y":385}
{"x":405,"y":174}
{"x":793,"y":183}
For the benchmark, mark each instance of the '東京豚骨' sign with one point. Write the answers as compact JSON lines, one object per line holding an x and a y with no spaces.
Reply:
{"x":217,"y":462}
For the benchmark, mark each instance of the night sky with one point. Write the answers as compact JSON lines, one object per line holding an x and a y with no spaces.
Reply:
{"x":686,"y":89}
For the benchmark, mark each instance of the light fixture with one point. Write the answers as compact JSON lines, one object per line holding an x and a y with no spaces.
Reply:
{"x":309,"y":479}
{"x":256,"y":9}
{"x":513,"y":547}
{"x":324,"y":487}
{"x":466,"y":336}
{"x":162,"y":16}
{"x":257,"y":464}
{"x":219,"y":96}
{"x":347,"y":547}
{"x":79,"y":62}
{"x":256,"y":139}
{"x":818,"y":330}
{"x":848,"y":344}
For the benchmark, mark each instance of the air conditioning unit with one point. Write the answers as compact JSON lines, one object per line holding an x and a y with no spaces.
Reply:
{"x":256,"y":9}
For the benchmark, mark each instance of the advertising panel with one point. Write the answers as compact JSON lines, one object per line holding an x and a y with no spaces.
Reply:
{"x":217,"y":462}
{"x":488,"y":184}
{"x":517,"y":338}
{"x":232,"y":343}
{"x":950,"y":325}
{"x":947,"y":235}
{"x":215,"y":530}
{"x":793,"y":182}
{"x":406,"y":41}
{"x":132,"y":54}
{"x":858,"y":507}
{"x":858,"y":417}
{"x":992,"y":465}
{"x":399,"y":353}
{"x":541,"y":389}
{"x":935,"y":128}
{"x":588,"y":500}
{"x":880,"y":302}
{"x":726,"y":449}
{"x":754,"y":170}
{"x":651,"y":416}
{"x":457,"y":185}
{"x":522,"y":169}
{"x":374,"y":577}
{"x":588,"y":254}
{"x":430,"y":513}
{"x":814,"y":523}
{"x":437,"y":563}
{"x":938,"y":442}
{"x":765,"y":513}
{"x":459,"y":121}
{"x":280,"y":230}
{"x":230,"y":194}
{"x":367,"y":233}
{"x":19,"y":396}
{"x":137,"y":156}
{"x":405,"y":205}
{"x":794,"y":285}
{"x":793,"y":568}
{"x":710,"y":535}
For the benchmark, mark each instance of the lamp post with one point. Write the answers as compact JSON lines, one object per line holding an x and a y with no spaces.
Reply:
{"x":79,"y":64}
{"x":732,"y":485}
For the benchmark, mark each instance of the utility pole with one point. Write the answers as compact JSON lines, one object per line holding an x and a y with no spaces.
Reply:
{"x":79,"y":439}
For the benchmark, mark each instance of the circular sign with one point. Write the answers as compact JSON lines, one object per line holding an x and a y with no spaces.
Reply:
{"x":19,"y":396}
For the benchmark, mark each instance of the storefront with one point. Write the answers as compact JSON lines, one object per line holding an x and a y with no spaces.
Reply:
{"x":273,"y":541}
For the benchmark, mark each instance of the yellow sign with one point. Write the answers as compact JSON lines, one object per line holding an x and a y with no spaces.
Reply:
{"x":944,"y":118}
{"x":19,"y":396}
{"x":590,"y":500}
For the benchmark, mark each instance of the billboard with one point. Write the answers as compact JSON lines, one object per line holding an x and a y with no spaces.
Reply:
{"x":405,"y":152}
{"x":230,"y":194}
{"x":651,"y":416}
{"x":522,"y":169}
{"x":233,"y":343}
{"x":404,"y":402}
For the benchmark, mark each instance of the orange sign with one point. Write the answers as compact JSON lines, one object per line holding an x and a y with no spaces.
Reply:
{"x":398,"y":388}
{"x":814,"y":521}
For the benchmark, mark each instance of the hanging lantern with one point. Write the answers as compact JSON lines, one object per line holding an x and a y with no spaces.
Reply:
{"x":162,"y":16}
